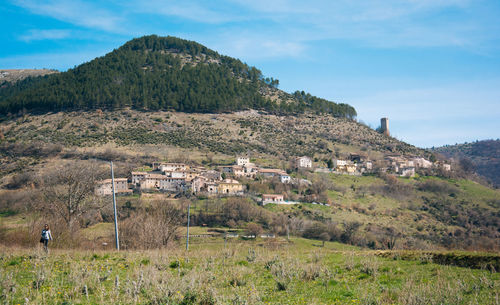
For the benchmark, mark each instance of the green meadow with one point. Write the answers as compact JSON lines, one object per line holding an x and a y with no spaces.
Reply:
{"x":262,"y":271}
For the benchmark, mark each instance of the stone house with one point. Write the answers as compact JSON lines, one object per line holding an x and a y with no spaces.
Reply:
{"x":212,"y":175}
{"x":271,"y":172}
{"x":422,"y":163}
{"x":137,"y":177}
{"x":238,"y":171}
{"x":235,"y":170}
{"x":272,"y":198}
{"x":230,"y":187}
{"x":170,"y":167}
{"x":211,"y":187}
{"x":443,"y":166}
{"x":251,"y":170}
{"x":198,"y":184}
{"x":407,"y":172}
{"x":350,"y":168}
{"x":366,"y":166}
{"x":163,"y":182}
{"x":152,"y":181}
{"x":303,"y":162}
{"x":173,"y":184}
{"x":344,"y":166}
{"x":104,"y":187}
{"x":191,"y":174}
{"x":339,"y":163}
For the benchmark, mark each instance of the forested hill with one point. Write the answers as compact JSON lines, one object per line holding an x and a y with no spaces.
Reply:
{"x":481,"y":156}
{"x":161,"y":73}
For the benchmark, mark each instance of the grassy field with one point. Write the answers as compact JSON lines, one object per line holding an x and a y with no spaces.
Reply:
{"x":241,"y":272}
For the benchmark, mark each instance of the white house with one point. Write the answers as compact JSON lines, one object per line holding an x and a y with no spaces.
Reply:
{"x":303,"y":162}
{"x":176,"y":174}
{"x":285,"y":179}
{"x":369,"y":165}
{"x":339,"y":163}
{"x":242,"y":161}
{"x":422,"y":163}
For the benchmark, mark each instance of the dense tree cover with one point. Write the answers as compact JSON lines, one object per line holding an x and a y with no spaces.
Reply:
{"x":308,"y":101}
{"x":154,"y":73}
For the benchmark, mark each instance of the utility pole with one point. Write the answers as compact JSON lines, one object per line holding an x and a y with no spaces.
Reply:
{"x":288,"y":228}
{"x":114,"y":207}
{"x":187,"y":234}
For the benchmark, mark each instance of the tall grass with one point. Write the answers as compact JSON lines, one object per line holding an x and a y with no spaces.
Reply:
{"x":238,"y":274}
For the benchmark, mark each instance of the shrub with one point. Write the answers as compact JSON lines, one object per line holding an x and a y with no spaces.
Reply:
{"x":439,"y":187}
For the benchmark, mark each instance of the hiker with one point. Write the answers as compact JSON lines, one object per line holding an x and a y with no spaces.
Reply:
{"x":45,"y":237}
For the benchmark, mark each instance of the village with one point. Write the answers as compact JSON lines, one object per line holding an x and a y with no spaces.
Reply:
{"x":226,"y":180}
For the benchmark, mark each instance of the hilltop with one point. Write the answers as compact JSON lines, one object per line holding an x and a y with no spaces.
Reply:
{"x":484,"y":156}
{"x":161,"y":73}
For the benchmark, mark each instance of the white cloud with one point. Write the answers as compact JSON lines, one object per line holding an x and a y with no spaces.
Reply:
{"x":375,"y":23}
{"x":76,"y":12}
{"x":383,"y":23}
{"x":35,"y":34}
{"x":189,"y":10}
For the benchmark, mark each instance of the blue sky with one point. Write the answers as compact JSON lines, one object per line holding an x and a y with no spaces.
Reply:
{"x":431,"y":66}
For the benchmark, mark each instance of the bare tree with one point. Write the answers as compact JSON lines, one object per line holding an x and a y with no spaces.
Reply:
{"x":350,"y":229}
{"x":253,"y":229}
{"x":151,"y":227}
{"x":391,"y":237}
{"x":68,"y":191}
{"x":319,"y":187}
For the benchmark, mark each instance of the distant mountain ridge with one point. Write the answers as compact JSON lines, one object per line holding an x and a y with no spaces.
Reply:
{"x":485,"y":155}
{"x":161,"y":73}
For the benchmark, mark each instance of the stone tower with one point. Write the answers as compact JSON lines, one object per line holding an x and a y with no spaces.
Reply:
{"x":384,"y":126}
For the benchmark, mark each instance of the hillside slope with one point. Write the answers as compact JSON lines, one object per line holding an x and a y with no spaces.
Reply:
{"x":425,"y":212}
{"x":484,"y":155}
{"x":161,"y":73}
{"x":258,"y":133}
